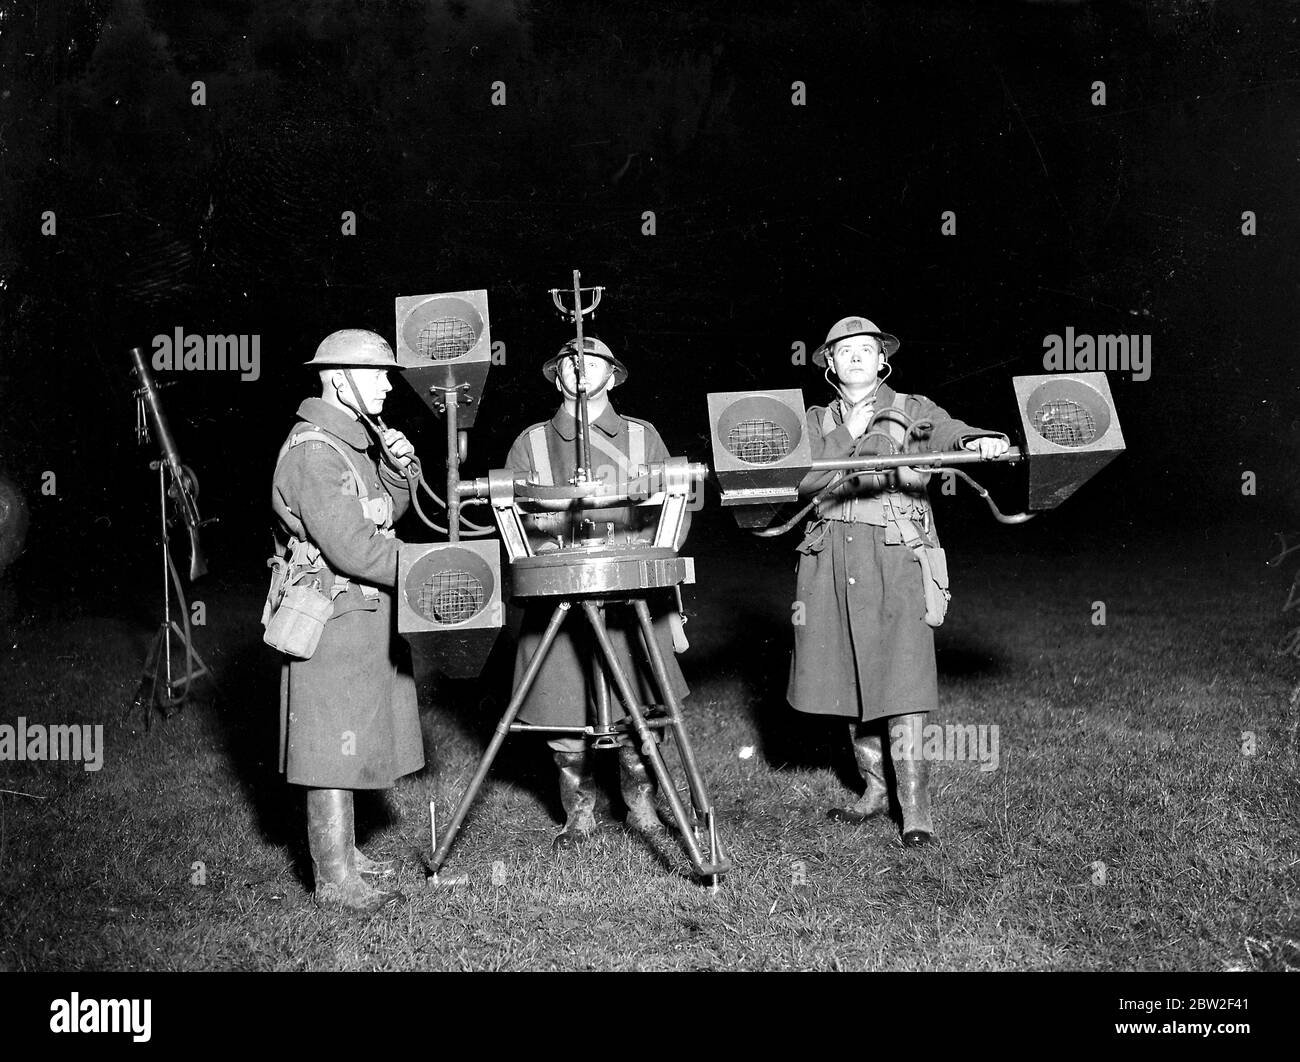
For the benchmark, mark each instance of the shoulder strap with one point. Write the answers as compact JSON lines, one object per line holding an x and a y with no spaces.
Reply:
{"x":635,"y":444}
{"x":315,"y":435}
{"x":897,"y":430}
{"x":541,"y":454}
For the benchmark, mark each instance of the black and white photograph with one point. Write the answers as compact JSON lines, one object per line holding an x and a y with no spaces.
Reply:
{"x":523,"y":487}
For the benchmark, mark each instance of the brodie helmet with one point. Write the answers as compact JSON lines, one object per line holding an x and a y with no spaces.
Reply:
{"x":592,"y":347}
{"x":848,"y":327}
{"x":354,"y":348}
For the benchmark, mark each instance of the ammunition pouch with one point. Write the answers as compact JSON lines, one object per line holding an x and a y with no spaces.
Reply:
{"x":934,"y":576}
{"x":933,"y":560}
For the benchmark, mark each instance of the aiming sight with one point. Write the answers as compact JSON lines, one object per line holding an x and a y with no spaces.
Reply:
{"x":761,"y":450}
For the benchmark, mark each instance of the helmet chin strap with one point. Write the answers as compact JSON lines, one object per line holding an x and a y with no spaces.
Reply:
{"x":826,"y":374}
{"x":375,"y":429}
{"x":360,"y":407}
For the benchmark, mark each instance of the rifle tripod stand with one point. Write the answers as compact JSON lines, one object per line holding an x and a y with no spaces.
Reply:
{"x":157,"y":687}
{"x":697,"y":828}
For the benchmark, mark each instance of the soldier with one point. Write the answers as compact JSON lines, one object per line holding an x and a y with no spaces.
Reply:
{"x":563,"y":689}
{"x":348,"y":715}
{"x":872,"y":578}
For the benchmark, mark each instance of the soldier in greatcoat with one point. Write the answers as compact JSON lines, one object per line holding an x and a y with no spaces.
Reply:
{"x":348,"y":715}
{"x":563,"y":690}
{"x":872,"y":578}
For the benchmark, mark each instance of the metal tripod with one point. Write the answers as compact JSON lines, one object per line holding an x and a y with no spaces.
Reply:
{"x":157,"y":687}
{"x":698,"y":831}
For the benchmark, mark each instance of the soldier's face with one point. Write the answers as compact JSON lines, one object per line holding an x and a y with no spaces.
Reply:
{"x":372,"y":384}
{"x":858,"y":360}
{"x":596,"y":370}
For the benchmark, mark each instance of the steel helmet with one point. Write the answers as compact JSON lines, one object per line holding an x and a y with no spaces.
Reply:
{"x":592,"y":347}
{"x":854,"y":326}
{"x":354,"y":348}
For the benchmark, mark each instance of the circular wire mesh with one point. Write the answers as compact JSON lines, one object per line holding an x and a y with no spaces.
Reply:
{"x":758,"y":441}
{"x":1065,"y":423}
{"x":445,"y":339}
{"x":450,"y":597}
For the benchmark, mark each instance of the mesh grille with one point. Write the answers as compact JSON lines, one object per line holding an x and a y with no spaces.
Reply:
{"x":758,"y":441}
{"x":445,"y":339}
{"x":450,"y":597}
{"x":1065,"y":423}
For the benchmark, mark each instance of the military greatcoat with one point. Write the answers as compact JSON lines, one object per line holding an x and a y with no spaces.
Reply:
{"x":864,"y":649}
{"x":561,"y":692}
{"x":348,"y":715}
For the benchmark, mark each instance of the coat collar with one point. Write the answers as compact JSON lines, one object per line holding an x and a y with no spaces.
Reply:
{"x":323,"y":415}
{"x":566,"y":427}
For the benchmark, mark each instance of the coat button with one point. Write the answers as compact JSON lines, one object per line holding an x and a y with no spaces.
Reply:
{"x":852,"y":580}
{"x":848,"y":538}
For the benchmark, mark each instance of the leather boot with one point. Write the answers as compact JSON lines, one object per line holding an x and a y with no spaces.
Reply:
{"x":375,"y":868}
{"x":578,"y":795}
{"x":869,"y":753}
{"x":331,"y":838}
{"x":638,"y":791}
{"x":912,"y":781}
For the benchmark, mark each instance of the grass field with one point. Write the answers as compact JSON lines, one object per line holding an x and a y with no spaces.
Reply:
{"x":1119,"y":745}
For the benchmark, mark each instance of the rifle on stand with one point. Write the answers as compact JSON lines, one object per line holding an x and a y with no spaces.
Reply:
{"x":177,"y":482}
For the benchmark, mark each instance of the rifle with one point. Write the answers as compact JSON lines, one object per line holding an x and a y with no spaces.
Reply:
{"x":184,"y":489}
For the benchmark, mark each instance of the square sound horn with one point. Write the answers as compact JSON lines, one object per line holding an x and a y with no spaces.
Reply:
{"x":1071,"y":432}
{"x":760,"y":450}
{"x":449,"y":603}
{"x":443,"y":341}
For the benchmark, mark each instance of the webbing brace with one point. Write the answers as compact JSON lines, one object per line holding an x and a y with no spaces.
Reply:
{"x":378,"y":510}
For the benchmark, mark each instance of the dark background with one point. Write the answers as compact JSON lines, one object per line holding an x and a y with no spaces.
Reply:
{"x":773,"y":221}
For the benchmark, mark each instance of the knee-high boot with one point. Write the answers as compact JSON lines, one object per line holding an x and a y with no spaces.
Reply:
{"x":578,"y":795}
{"x":870,"y":757}
{"x":912,"y":782}
{"x":331,"y":838}
{"x":638,"y":791}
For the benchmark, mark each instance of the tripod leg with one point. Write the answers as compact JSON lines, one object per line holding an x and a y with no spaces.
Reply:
{"x":649,"y":747}
{"x":147,"y":691}
{"x":600,"y":688}
{"x":699,"y":796}
{"x":195,"y":667}
{"x":502,"y":730}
